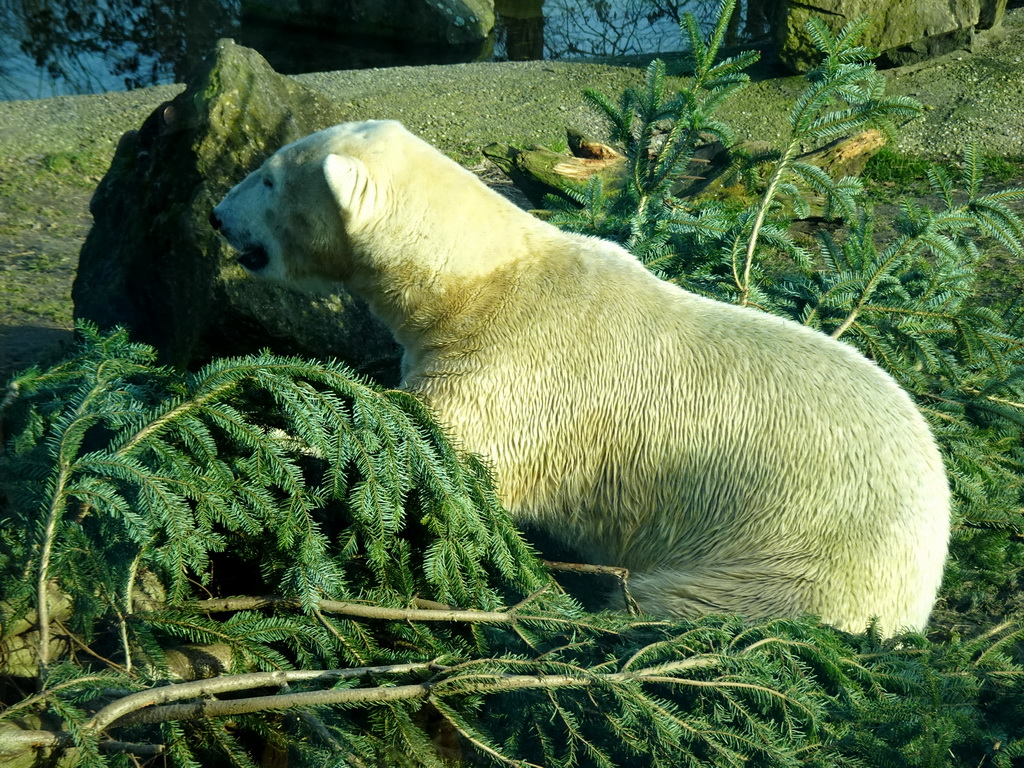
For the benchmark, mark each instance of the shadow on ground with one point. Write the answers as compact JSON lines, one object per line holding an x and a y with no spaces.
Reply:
{"x":22,"y":346}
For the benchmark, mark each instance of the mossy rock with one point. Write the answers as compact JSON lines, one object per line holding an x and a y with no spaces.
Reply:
{"x":153,"y":263}
{"x":928,"y":27}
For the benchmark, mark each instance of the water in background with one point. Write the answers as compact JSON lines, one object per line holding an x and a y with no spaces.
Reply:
{"x":56,"y":47}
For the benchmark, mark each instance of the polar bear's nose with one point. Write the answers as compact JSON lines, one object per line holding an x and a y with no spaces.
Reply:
{"x":214,"y":220}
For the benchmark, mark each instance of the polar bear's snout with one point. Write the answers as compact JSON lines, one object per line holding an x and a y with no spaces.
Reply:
{"x":252,"y":256}
{"x":252,"y":253}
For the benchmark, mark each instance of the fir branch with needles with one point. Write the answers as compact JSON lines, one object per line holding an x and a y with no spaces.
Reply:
{"x":366,"y":641}
{"x":351,"y":581}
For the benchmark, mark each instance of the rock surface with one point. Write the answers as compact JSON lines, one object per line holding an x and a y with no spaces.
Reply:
{"x":152,"y":262}
{"x":420,"y":22}
{"x":906,"y":32}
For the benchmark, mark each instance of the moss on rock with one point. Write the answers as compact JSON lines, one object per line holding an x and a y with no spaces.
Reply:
{"x":152,"y":262}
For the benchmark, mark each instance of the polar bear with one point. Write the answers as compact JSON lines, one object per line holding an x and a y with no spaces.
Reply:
{"x":732,"y":460}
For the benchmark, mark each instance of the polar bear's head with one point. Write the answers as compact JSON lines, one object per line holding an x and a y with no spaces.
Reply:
{"x":370,"y":205}
{"x":373,"y":207}
{"x":293,"y":219}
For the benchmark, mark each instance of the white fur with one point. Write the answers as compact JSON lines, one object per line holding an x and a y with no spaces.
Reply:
{"x":732,"y":460}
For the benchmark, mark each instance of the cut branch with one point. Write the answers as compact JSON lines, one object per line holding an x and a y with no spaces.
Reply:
{"x":361,"y":610}
{"x":212,"y":708}
{"x":233,"y":683}
{"x":369,"y":611}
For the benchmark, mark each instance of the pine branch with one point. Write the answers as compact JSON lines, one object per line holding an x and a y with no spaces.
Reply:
{"x":766,"y":202}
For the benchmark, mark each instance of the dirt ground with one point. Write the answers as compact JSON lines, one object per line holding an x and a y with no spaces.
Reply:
{"x":40,"y":236}
{"x":54,"y":152}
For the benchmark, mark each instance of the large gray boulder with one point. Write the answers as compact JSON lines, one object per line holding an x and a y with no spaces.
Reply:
{"x":904,"y":31}
{"x":153,"y":263}
{"x":420,"y":22}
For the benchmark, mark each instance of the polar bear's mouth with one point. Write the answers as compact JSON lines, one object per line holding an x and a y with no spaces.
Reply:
{"x":254,"y":258}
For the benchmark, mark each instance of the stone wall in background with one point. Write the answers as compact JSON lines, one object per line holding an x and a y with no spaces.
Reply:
{"x":419,"y":22}
{"x":904,"y":31}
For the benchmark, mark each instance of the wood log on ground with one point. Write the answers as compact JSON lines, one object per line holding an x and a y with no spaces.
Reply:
{"x":846,"y":157}
{"x":539,"y":172}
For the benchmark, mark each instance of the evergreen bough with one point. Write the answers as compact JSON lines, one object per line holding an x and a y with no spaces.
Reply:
{"x":350,"y":573}
{"x":913,"y":301}
{"x":232,"y":514}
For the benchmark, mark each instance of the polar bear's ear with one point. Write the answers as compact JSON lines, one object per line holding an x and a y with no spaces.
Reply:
{"x":350,"y":183}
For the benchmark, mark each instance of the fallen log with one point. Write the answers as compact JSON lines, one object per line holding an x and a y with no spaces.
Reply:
{"x":539,"y":172}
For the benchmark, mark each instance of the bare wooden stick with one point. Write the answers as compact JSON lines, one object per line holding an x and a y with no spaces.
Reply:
{"x":211,"y":708}
{"x":362,"y":610}
{"x":617,"y":572}
{"x":230,"y":683}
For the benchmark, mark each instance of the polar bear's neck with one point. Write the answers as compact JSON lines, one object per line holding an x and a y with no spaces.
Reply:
{"x":430,"y":308}
{"x":436,"y":271}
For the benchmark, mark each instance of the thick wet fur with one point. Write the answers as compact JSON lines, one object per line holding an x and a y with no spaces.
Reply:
{"x":732,"y":460}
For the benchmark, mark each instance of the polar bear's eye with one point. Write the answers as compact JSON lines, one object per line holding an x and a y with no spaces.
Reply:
{"x":269,"y":183}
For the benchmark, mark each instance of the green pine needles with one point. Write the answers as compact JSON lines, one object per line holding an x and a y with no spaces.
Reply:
{"x":360,"y":596}
{"x":175,"y":468}
{"x":128,"y":489}
{"x":272,"y":561}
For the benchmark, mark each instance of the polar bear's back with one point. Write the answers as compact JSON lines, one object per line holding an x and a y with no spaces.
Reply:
{"x":733,"y":460}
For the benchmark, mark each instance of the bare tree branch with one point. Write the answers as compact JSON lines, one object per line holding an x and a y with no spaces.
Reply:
{"x":230,"y":683}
